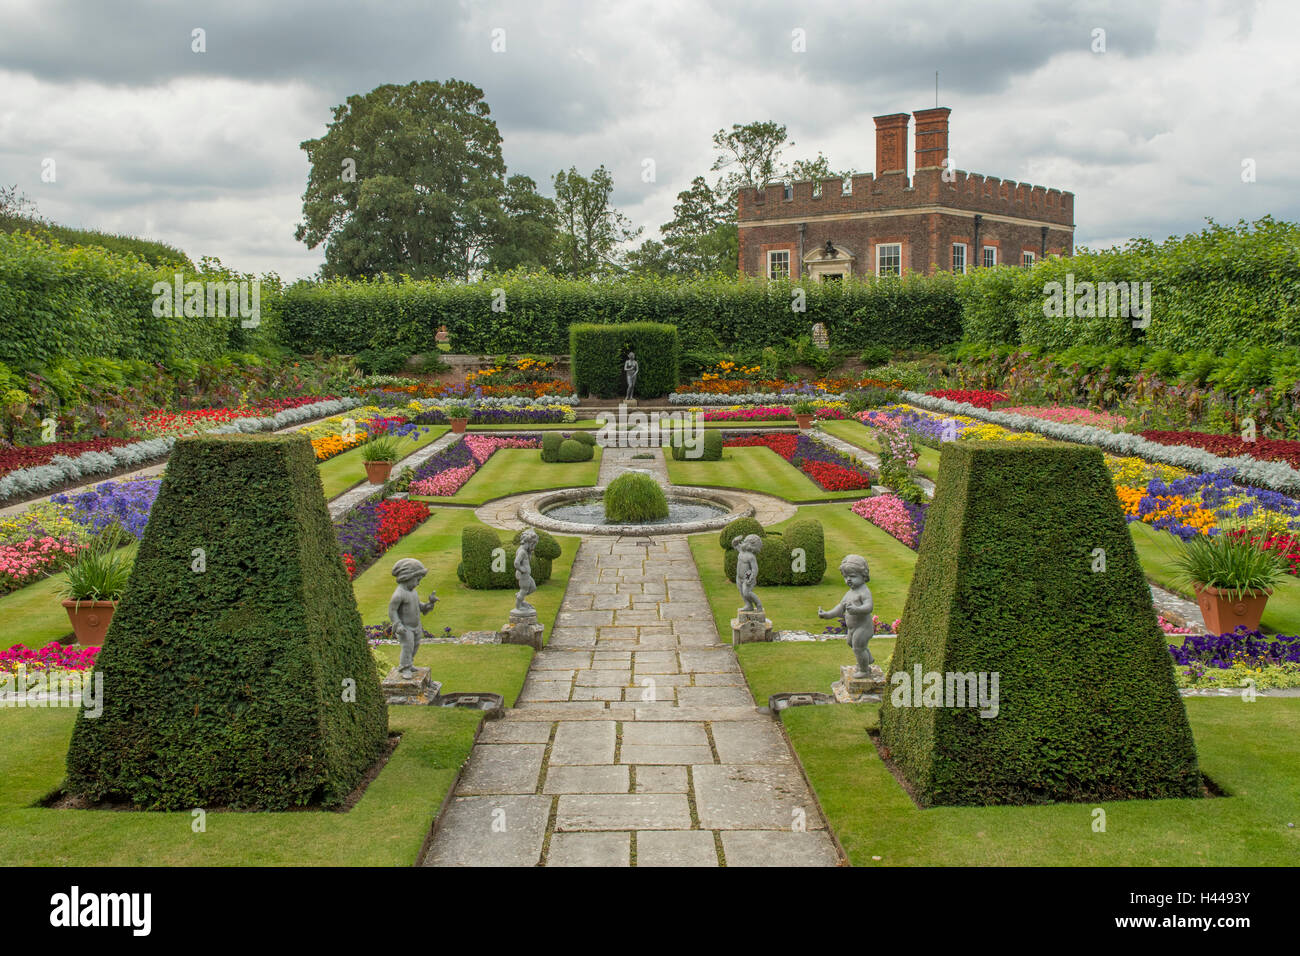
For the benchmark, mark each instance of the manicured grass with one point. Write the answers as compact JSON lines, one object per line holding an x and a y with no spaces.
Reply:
{"x":468,"y":668}
{"x":513,"y":471}
{"x":587,"y":424}
{"x":795,"y":667}
{"x":795,"y":608}
{"x":1252,"y":751}
{"x":754,"y":468}
{"x":341,"y":472}
{"x":386,"y":828}
{"x":1157,"y":551}
{"x":856,"y":433}
{"x":34,"y":615}
{"x":436,"y":543}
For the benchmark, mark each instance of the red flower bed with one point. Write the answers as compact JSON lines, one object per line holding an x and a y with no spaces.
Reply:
{"x":397,"y":517}
{"x":1286,"y":546}
{"x":827,"y":467}
{"x":1230,"y":446}
{"x":783,"y":445}
{"x":836,"y":477}
{"x":974,"y":396}
{"x":11,"y":459}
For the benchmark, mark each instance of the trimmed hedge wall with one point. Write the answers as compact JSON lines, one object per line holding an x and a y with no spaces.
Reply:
{"x":228,"y":687}
{"x":1004,"y":583}
{"x":597,"y":354}
{"x":476,"y":547}
{"x":776,"y":560}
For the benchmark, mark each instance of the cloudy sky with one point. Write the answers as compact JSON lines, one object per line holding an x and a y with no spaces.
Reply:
{"x":201,"y":150}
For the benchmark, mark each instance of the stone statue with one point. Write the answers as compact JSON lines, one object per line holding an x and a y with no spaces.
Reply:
{"x":630,"y":369}
{"x":404,"y":611}
{"x":524,"y":571}
{"x":747,"y":548}
{"x":855,"y":610}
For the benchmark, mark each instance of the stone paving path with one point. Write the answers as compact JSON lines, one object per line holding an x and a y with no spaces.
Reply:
{"x":636,"y":739}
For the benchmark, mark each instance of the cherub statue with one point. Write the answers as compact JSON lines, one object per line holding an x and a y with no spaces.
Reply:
{"x":630,"y":369}
{"x":524,"y":570}
{"x":405,"y":609}
{"x":747,"y":548}
{"x":855,"y":610}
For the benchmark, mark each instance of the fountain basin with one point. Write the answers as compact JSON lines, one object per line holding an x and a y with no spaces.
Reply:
{"x":581,"y":511}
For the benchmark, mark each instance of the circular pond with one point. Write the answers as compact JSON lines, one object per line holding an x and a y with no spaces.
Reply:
{"x":592,"y":511}
{"x":582,"y":511}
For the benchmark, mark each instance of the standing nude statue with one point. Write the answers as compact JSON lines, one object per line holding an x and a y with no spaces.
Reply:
{"x":630,"y":369}
{"x":855,"y":610}
{"x":404,"y":611}
{"x":524,"y":571}
{"x":747,"y":548}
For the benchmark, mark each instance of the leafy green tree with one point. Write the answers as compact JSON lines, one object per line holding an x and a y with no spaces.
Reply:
{"x":407,"y":179}
{"x":750,"y":156}
{"x":528,"y":234}
{"x":591,"y":230}
{"x":651,"y":258}
{"x":701,"y":238}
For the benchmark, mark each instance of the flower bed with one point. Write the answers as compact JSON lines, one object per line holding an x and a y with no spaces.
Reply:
{"x":977,"y":397}
{"x":193,"y":421}
{"x":13,"y":459}
{"x":830,"y":469}
{"x":1230,"y":660}
{"x":29,"y":560}
{"x":52,"y":657}
{"x":896,"y":517}
{"x":1230,"y":446}
{"x":1067,"y":414}
{"x":125,"y":503}
{"x":443,"y":474}
{"x":370,"y":529}
{"x":1200,"y":504}
{"x":827,"y":411}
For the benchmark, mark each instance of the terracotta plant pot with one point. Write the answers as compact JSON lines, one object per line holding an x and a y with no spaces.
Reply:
{"x":90,"y":620}
{"x":458,"y":425}
{"x":1223,"y":613}
{"x":805,"y":421}
{"x":378,"y":471}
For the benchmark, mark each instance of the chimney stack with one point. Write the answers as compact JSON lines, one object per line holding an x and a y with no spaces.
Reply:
{"x":932,"y":138}
{"x":891,"y":143}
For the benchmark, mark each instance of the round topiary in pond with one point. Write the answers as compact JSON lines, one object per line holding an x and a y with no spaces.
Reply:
{"x":634,"y":497}
{"x":571,"y":450}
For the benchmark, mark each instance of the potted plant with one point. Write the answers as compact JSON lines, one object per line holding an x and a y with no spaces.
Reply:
{"x":804,"y":410}
{"x":379,"y":454}
{"x":95,"y":583}
{"x":458,"y":414}
{"x":1231,"y":577}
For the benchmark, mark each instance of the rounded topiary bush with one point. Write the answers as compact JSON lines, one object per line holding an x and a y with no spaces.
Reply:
{"x":634,"y":497}
{"x":740,"y":527}
{"x":807,"y":534}
{"x":587,"y":438}
{"x":481,"y":547}
{"x":571,"y":450}
{"x":551,"y":442}
{"x":709,"y":450}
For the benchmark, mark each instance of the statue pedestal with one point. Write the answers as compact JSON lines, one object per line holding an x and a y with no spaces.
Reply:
{"x":850,"y":688}
{"x":750,"y":626}
{"x":523,"y":629}
{"x":630,"y":402}
{"x":416,"y":689}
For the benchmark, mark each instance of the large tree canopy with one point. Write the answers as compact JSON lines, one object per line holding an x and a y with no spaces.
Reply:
{"x":407,"y":179}
{"x":591,"y":229}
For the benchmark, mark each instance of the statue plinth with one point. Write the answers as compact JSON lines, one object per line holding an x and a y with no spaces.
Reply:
{"x":523,"y":629}
{"x":416,"y":689}
{"x":630,"y":402}
{"x":750,"y":626}
{"x":851,"y":687}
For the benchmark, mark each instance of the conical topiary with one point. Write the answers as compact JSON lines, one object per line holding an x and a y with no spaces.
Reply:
{"x":236,"y":671}
{"x":1026,"y":570}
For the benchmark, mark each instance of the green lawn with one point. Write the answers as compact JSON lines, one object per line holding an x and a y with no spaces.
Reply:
{"x":386,"y":828}
{"x":513,"y":471}
{"x":469,"y":668}
{"x":781,"y":667}
{"x":436,"y":543}
{"x":856,"y":433}
{"x":795,"y":608}
{"x":754,"y":468}
{"x":34,"y":615}
{"x":341,"y":472}
{"x":1251,"y":751}
{"x":1157,"y":551}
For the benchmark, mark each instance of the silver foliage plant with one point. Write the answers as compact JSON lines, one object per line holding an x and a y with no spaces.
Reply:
{"x":63,"y":469}
{"x":750,"y":398}
{"x":1274,"y":475}
{"x":498,"y":401}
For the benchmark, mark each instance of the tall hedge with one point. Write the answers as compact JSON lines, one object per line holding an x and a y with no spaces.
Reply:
{"x":1007,"y":581}
{"x":246,"y":682}
{"x":597,"y":354}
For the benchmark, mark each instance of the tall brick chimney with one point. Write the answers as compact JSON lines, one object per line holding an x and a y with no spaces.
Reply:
{"x":931,"y":138}
{"x":891,"y":143}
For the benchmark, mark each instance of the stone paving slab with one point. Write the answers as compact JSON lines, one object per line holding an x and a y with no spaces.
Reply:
{"x":590,"y":849}
{"x":676,"y":848}
{"x":761,"y":847}
{"x":502,"y":768}
{"x":752,"y":797}
{"x":491,"y":831}
{"x":584,"y":742}
{"x":623,"y":811}
{"x":584,"y":779}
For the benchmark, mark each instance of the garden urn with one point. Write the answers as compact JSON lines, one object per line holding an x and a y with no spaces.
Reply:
{"x":1224,"y":612}
{"x":90,"y":620}
{"x":378,"y":471}
{"x":805,"y":421}
{"x":458,"y":425}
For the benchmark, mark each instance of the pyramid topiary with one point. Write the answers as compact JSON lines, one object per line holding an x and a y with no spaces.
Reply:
{"x":237,"y":675}
{"x":1009,"y":581}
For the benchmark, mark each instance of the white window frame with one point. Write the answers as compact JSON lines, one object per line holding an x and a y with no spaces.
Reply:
{"x":1028,"y":258}
{"x":787,"y":191}
{"x":962,"y":247}
{"x":880,"y":250}
{"x":984,"y":256}
{"x":778,"y":252}
{"x":846,"y":186}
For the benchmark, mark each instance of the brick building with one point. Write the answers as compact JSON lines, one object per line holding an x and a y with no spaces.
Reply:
{"x":885,"y":225}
